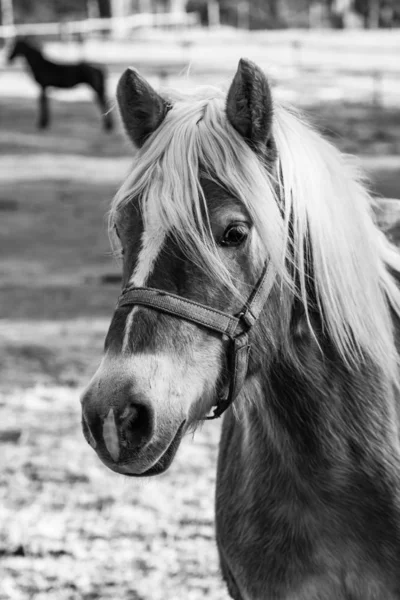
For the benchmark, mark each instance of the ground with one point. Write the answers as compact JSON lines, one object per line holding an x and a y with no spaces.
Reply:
{"x":69,"y":528}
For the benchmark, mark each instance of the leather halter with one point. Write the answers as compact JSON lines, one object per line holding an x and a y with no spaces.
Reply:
{"x":235,"y":327}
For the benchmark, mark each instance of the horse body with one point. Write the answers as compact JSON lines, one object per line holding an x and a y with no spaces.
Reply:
{"x":223,"y":190}
{"x":48,"y":73}
{"x":51,"y":74}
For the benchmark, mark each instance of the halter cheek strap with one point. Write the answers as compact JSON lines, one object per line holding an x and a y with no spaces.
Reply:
{"x":235,"y":327}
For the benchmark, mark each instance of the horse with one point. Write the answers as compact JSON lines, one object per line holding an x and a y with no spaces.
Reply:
{"x":51,"y":74}
{"x":257,"y":285}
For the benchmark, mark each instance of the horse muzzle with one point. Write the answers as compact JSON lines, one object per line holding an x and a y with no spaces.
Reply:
{"x":123,"y":432}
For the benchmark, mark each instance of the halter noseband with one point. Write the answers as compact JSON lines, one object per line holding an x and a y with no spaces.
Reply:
{"x":236,"y":328}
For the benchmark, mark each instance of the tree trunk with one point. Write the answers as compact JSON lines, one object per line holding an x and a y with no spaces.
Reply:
{"x":104,"y":8}
{"x":213,"y":13}
{"x":243,"y":14}
{"x":373,"y":14}
{"x":274,"y":9}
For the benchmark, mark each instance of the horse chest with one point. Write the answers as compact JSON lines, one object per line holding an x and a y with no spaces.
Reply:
{"x":273,"y":547}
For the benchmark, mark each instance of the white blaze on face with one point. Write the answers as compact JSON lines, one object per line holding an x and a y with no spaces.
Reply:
{"x":152,"y":240}
{"x":127,"y":330}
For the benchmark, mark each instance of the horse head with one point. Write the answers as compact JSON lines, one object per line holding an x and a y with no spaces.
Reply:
{"x":183,"y":229}
{"x":240,"y":227}
{"x":20,"y":46}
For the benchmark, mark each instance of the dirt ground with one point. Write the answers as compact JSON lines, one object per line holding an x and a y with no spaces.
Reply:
{"x":69,"y":528}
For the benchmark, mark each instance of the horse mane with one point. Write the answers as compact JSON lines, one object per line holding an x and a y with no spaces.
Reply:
{"x":315,"y":203}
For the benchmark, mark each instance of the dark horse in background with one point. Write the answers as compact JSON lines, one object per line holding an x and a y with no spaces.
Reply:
{"x":51,"y":74}
{"x":255,"y":280}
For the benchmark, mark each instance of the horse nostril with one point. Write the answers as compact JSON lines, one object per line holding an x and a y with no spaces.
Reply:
{"x":116,"y":430}
{"x":136,"y":425}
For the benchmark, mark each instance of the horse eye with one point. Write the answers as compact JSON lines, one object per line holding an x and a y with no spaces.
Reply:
{"x":235,"y":235}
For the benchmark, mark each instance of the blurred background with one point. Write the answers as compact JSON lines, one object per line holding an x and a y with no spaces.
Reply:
{"x":69,"y":528}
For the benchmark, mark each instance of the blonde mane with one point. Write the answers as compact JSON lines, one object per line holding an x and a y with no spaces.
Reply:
{"x":317,"y":202}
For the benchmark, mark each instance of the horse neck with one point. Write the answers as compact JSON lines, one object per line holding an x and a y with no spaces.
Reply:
{"x":34,"y":58}
{"x":318,"y":418}
{"x":309,"y":469}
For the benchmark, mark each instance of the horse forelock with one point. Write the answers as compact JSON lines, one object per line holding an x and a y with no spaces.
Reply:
{"x":196,"y":142}
{"x":317,"y":200}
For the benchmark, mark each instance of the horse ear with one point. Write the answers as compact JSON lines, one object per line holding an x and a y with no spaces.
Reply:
{"x":249,"y":105}
{"x":142,"y":109}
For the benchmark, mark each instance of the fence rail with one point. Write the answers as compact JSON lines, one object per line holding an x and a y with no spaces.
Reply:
{"x":361,"y":64}
{"x":115,"y":24}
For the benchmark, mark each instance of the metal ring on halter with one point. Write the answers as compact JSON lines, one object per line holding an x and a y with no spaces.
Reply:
{"x":236,"y":328}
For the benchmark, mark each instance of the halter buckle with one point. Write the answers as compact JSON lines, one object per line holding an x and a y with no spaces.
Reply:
{"x":238,"y":362}
{"x":247,"y":317}
{"x":222,"y":405}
